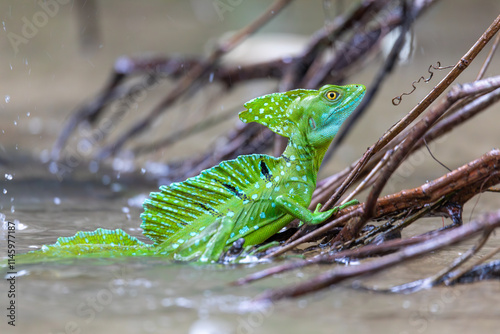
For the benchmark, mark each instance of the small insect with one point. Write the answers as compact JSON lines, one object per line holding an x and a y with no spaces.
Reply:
{"x":397,"y":100}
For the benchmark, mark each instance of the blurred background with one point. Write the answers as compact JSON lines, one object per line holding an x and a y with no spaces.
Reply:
{"x":69,"y":59}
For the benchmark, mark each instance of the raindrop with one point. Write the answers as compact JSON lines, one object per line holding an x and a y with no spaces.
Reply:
{"x":116,"y":187}
{"x":126,"y":211}
{"x":20,"y":226}
{"x":28,"y":114}
{"x":211,"y":78}
{"x":57,"y":200}
{"x":93,"y":166}
{"x":125,"y":164}
{"x":4,"y":191}
{"x":184,"y":302}
{"x":7,"y":98}
{"x":45,"y":156}
{"x":166,"y":302}
{"x":15,"y":123}
{"x":12,"y":209}
{"x":143,"y":170}
{"x":4,"y":28}
{"x":106,"y":180}
{"x":84,"y":146}
{"x":53,"y":167}
{"x":8,"y":177}
{"x":435,"y":308}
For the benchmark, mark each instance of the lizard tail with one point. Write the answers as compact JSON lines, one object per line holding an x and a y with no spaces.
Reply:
{"x":98,"y":243}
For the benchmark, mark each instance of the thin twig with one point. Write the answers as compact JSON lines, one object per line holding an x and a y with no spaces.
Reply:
{"x":366,"y":181}
{"x":487,"y":62}
{"x":418,"y":131}
{"x":414,"y":113}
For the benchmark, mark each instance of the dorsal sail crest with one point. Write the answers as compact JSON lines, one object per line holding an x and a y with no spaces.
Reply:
{"x":180,"y":204}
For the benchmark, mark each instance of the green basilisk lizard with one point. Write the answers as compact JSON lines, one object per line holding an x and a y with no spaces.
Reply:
{"x":250,"y":197}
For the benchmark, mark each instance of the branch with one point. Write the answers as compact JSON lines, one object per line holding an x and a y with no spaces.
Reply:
{"x":486,"y":222}
{"x":457,"y":187}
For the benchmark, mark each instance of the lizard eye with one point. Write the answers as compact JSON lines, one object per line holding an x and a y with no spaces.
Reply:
{"x":331,"y":95}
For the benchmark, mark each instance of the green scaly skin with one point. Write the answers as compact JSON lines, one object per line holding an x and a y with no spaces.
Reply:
{"x":251,"y":197}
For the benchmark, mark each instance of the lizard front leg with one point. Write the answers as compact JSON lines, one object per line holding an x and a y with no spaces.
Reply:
{"x":302,"y":213}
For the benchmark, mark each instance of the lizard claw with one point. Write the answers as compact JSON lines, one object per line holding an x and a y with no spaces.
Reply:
{"x":318,"y":207}
{"x":319,"y":217}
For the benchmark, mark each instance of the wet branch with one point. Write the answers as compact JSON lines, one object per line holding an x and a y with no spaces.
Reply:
{"x":456,"y":187}
{"x":487,"y":222}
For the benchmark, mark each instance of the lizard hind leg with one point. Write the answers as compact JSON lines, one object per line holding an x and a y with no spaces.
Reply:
{"x":206,"y":246}
{"x":216,"y":244}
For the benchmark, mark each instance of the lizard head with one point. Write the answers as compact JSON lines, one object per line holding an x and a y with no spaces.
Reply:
{"x":322,"y":114}
{"x":311,"y":115}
